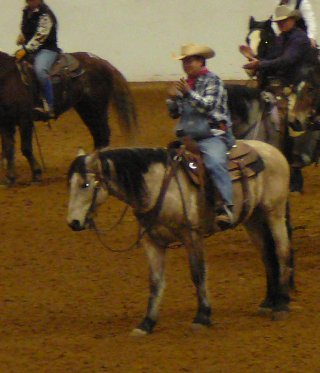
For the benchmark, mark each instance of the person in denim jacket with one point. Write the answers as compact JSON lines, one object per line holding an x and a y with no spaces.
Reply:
{"x":200,"y":103}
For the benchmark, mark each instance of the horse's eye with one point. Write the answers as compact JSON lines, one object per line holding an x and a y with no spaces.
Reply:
{"x":85,"y":185}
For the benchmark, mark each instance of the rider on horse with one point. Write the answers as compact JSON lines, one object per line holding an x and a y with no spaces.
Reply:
{"x":291,"y":52}
{"x":39,"y":39}
{"x":201,"y":103}
{"x":307,"y":20}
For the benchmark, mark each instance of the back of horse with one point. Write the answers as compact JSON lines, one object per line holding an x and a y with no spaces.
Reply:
{"x":269,"y":189}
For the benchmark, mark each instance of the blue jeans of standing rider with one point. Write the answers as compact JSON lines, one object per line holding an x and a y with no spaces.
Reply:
{"x":214,"y":150}
{"x":43,"y":62}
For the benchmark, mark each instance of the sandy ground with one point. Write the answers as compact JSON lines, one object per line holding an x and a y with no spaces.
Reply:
{"x":68,"y":305}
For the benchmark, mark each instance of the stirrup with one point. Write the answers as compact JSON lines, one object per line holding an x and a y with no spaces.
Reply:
{"x":225,"y":218}
{"x":40,"y":113}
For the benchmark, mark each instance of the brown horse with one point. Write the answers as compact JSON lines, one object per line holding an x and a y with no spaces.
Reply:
{"x":89,"y":94}
{"x":138,"y":176}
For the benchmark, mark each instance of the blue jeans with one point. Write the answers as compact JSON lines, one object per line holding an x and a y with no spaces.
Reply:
{"x":43,"y":62}
{"x":214,"y":150}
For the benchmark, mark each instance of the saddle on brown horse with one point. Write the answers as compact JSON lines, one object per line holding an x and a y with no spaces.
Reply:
{"x":65,"y":67}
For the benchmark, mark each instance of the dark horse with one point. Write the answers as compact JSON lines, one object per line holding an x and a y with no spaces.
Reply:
{"x":89,"y":94}
{"x":261,"y":37}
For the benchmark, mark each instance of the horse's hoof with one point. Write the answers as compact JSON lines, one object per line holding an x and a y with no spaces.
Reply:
{"x":200,"y":323}
{"x":264,"y":311}
{"x":7,"y":183}
{"x":197,"y":327}
{"x":37,"y":178}
{"x":138,"y":333}
{"x":280,"y":315}
{"x":296,"y":193}
{"x":36,"y":182}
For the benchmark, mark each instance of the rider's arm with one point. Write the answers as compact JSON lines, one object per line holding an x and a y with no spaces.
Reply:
{"x":41,"y":34}
{"x":174,"y":107}
{"x":292,"y":54}
{"x":211,"y":97}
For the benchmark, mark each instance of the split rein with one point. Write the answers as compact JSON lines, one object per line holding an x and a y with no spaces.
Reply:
{"x":149,"y":216}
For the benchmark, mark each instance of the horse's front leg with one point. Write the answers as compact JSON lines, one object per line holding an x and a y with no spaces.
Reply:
{"x":26,"y":130}
{"x":156,"y":258}
{"x":296,"y":180}
{"x":194,"y":245}
{"x":7,"y":139}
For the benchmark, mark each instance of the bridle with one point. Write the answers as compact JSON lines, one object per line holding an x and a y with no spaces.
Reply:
{"x":148,"y":219}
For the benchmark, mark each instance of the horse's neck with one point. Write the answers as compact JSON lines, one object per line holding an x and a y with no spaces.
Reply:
{"x":152,"y":181}
{"x":7,"y":65}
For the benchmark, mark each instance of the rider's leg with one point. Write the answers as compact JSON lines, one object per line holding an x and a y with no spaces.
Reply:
{"x":214,"y":150}
{"x":44,"y":60}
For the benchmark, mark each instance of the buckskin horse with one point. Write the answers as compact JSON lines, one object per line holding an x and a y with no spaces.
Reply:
{"x":89,"y":93}
{"x":170,"y":207}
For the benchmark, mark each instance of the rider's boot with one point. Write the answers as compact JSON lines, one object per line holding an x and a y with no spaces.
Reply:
{"x":225,"y":217}
{"x":47,"y":111}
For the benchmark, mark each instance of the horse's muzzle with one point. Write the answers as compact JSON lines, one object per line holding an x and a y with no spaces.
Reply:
{"x":76,"y":226}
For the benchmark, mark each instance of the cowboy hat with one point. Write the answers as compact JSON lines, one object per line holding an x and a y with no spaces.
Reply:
{"x":283,"y":12}
{"x":194,"y":50}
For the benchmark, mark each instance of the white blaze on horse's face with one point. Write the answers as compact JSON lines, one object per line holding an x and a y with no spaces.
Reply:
{"x":254,"y":39}
{"x":81,"y":194}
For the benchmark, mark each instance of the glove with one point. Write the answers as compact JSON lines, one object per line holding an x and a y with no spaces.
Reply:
{"x":20,"y":40}
{"x":20,"y":53}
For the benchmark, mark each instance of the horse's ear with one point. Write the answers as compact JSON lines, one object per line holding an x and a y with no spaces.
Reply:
{"x":269,"y":22}
{"x":81,"y":152}
{"x":93,"y":161}
{"x":252,"y":23}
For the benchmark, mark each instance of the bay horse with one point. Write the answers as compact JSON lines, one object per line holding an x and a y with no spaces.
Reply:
{"x":137,"y":176}
{"x":89,"y":94}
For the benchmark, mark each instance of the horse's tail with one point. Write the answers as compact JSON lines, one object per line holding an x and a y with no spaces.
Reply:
{"x":124,"y":104}
{"x":291,"y":257}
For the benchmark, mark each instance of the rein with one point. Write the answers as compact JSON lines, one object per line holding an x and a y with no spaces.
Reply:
{"x":148,"y":218}
{"x":255,"y":126}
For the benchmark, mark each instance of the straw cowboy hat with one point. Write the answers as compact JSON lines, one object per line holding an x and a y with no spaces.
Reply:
{"x":194,"y":50}
{"x":283,"y":12}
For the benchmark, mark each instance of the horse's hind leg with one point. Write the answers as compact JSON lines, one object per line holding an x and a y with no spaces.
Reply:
{"x":26,"y":130}
{"x":279,"y":231}
{"x":95,"y":117}
{"x":261,"y":236}
{"x":156,"y":258}
{"x":8,"y":145}
{"x":198,"y":274}
{"x":272,"y":239}
{"x":296,"y":180}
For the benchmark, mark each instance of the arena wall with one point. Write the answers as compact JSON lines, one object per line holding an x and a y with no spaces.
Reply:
{"x":138,"y":36}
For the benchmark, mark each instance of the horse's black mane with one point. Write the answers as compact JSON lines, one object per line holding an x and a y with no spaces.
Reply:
{"x":238,"y":98}
{"x":130,"y":165}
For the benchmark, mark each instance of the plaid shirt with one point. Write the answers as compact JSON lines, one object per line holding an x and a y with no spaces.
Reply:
{"x":209,"y":98}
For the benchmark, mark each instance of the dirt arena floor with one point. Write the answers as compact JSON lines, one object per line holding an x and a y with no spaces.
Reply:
{"x":68,"y":305}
